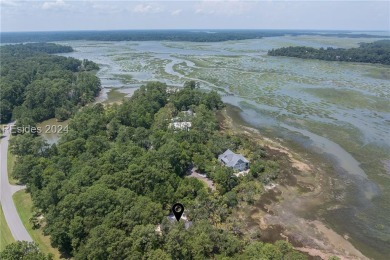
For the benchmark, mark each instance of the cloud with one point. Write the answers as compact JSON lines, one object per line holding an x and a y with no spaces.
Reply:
{"x":8,"y":3}
{"x":176,"y":12}
{"x":221,"y":7}
{"x":147,"y":8}
{"x":55,"y":5}
{"x":107,"y":8}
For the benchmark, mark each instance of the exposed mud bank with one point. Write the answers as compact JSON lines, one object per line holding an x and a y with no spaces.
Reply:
{"x":286,"y":209}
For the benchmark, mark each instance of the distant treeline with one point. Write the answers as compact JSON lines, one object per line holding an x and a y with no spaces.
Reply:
{"x":166,"y":35}
{"x":376,"y":52}
{"x":29,"y":49}
{"x":35,"y":85}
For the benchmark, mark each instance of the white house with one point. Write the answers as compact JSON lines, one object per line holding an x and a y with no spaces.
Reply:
{"x":180,"y":125}
{"x":183,"y":121}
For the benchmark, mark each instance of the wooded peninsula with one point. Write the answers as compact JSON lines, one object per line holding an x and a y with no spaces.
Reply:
{"x":375,"y":52}
{"x":35,"y":85}
{"x":105,"y":190}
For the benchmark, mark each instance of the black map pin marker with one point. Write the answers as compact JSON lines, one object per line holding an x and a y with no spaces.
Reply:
{"x":178,"y":210}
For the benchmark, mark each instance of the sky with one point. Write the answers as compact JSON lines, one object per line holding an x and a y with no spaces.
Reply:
{"x":65,"y":15}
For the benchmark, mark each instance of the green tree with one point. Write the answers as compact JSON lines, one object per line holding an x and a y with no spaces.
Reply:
{"x":253,"y":250}
{"x":224,"y":178}
{"x":144,"y":239}
{"x":163,"y":117}
{"x":205,"y":120}
{"x":270,"y":252}
{"x":23,"y":250}
{"x":157,"y":254}
{"x":283,"y":246}
{"x":27,"y":145}
{"x":295,"y":255}
{"x":192,"y":84}
{"x":112,"y":245}
{"x":176,"y":242}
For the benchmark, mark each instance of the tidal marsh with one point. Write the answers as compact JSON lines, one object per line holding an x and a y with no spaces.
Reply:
{"x":338,"y":110}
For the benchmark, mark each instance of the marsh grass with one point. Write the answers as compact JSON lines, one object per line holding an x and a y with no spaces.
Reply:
{"x":379,"y":73}
{"x":124,"y":78}
{"x":351,"y":98}
{"x":114,"y":96}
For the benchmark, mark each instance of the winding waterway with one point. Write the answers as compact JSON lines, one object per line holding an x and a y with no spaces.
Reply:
{"x":340,"y":111}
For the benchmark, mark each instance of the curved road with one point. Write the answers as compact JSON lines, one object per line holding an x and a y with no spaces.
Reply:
{"x":12,"y":218}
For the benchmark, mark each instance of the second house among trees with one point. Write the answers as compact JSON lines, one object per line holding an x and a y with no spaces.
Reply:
{"x":233,"y":160}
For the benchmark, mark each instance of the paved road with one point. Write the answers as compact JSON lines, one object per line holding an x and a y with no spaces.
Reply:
{"x":18,"y":231}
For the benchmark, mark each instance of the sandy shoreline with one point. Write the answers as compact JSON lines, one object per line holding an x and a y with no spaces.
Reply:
{"x":280,"y":213}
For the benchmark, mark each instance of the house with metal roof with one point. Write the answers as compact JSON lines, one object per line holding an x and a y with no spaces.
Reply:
{"x":233,"y":160}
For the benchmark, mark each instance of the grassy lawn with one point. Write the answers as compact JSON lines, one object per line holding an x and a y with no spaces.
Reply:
{"x":10,"y":166}
{"x":6,"y":236}
{"x":24,"y":205}
{"x":10,"y":162}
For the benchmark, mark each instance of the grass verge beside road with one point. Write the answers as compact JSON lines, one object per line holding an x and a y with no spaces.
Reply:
{"x":6,"y":236}
{"x":24,"y":206}
{"x":10,"y":166}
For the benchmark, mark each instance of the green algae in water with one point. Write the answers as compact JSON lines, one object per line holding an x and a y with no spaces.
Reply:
{"x":379,"y":73}
{"x":114,"y":95}
{"x":351,"y":98}
{"x":124,"y":78}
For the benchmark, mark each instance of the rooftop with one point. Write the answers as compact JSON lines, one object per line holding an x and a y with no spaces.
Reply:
{"x":230,"y":158}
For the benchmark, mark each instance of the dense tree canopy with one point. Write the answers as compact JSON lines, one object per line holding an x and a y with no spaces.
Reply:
{"x":36,"y":85}
{"x":107,"y":187}
{"x":375,"y":52}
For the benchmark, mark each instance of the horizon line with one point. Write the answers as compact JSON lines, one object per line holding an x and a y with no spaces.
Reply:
{"x":197,"y":29}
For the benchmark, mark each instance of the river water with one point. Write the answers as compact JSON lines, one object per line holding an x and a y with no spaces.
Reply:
{"x":340,"y":111}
